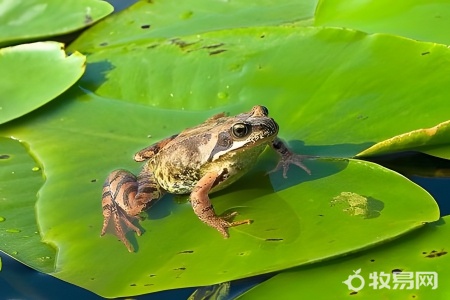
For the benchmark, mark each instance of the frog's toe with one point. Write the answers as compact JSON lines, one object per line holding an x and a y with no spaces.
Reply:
{"x":294,"y":159}
{"x":237,"y":223}
{"x":224,"y":222}
{"x":121,"y":221}
{"x":298,"y":162}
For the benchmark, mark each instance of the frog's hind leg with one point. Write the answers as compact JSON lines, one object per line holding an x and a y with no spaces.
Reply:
{"x":124,"y":197}
{"x":119,"y":187}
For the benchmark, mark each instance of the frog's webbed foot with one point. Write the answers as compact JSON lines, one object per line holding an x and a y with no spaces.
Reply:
{"x":204,"y":210}
{"x":119,"y":186}
{"x":124,"y":197}
{"x":288,"y":158}
{"x":120,"y":219}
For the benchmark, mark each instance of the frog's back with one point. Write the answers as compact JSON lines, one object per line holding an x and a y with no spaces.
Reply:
{"x":177,"y":167}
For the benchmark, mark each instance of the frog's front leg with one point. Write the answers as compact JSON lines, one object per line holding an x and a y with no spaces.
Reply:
{"x":204,"y":210}
{"x":124,"y":197}
{"x":288,"y":157}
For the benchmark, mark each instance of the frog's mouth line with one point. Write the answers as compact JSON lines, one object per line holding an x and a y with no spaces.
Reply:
{"x":247,"y":143}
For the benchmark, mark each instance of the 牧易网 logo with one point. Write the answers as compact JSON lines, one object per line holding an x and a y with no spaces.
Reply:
{"x":392,"y":281}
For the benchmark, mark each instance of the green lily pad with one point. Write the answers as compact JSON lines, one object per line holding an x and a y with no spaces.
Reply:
{"x":28,"y":20}
{"x":30,"y":66}
{"x":176,"y":249}
{"x":434,"y":141}
{"x":19,"y":233}
{"x":421,"y":252}
{"x":171,"y":19}
{"x":333,"y":105}
{"x":255,"y":66}
{"x":417,"y":19}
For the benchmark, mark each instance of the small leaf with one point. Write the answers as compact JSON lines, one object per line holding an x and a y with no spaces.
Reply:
{"x":434,"y":141}
{"x":22,"y":21}
{"x":33,"y":74}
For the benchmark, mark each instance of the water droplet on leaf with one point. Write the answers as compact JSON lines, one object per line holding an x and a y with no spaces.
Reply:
{"x":222,"y":95}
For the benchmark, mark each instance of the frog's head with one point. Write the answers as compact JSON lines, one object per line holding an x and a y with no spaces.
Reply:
{"x":254,"y":126}
{"x":244,"y":131}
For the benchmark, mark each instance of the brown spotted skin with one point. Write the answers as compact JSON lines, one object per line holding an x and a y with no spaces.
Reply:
{"x":199,"y":161}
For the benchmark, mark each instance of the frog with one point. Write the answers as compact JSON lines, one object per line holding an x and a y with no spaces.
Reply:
{"x":197,"y":161}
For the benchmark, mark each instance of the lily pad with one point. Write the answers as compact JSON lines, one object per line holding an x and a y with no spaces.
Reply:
{"x":32,"y":66}
{"x":170,"y":19}
{"x":176,"y":249}
{"x":342,"y":100}
{"x":434,"y":141}
{"x":422,"y":256}
{"x":417,"y":19}
{"x":19,"y":231}
{"x":28,"y":20}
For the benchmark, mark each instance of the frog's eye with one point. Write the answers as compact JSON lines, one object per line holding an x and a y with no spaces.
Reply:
{"x":241,"y":130}
{"x":265,"y":110}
